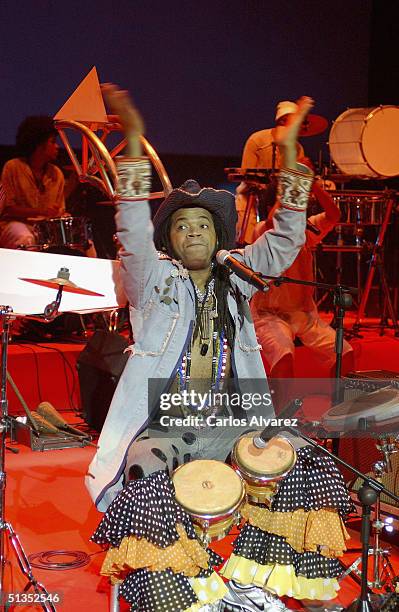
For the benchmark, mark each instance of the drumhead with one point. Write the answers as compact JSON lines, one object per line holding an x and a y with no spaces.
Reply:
{"x":365,"y":141}
{"x":380,"y":142}
{"x":277,"y":458}
{"x":378,"y":406}
{"x":207,"y":487}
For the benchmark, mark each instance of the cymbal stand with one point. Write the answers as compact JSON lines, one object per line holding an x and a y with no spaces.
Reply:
{"x":383,"y":572}
{"x":377,"y":264}
{"x":23,"y":562}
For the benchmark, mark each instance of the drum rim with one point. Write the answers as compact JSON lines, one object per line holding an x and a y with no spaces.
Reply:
{"x":258,"y":478}
{"x":346,"y":422}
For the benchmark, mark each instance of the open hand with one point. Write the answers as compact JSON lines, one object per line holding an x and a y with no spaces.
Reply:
{"x":120,"y":103}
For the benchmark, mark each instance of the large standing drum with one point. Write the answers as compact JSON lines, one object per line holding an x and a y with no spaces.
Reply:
{"x":262,"y":468}
{"x":211,"y":492}
{"x":365,"y":141}
{"x":69,"y":232}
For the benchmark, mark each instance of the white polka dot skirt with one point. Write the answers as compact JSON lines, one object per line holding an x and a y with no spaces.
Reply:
{"x":146,"y":508}
{"x":315,"y":483}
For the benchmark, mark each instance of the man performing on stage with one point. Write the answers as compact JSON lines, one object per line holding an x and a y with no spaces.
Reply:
{"x":191,"y":322}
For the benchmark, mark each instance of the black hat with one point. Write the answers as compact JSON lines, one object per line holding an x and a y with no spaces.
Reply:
{"x":219,"y":202}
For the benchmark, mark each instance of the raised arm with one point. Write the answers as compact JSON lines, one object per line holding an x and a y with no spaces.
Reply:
{"x":139,"y":259}
{"x":277,"y":248}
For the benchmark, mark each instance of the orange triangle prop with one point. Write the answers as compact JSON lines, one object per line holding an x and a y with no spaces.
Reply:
{"x":86,"y":103}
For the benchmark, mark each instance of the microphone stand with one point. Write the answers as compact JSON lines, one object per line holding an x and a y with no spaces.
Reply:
{"x":368,"y":494}
{"x":342,"y":300}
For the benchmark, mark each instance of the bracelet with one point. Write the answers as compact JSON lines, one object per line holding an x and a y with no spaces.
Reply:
{"x":293,"y":189}
{"x":134,"y":177}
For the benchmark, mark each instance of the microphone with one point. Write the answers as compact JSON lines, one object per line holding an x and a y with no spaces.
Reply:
{"x":225,"y":258}
{"x":260,"y":440}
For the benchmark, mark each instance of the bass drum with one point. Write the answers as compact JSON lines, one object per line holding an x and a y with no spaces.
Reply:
{"x":365,"y":142}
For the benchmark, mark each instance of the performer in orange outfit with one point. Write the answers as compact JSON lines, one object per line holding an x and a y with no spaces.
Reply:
{"x":289,"y":311}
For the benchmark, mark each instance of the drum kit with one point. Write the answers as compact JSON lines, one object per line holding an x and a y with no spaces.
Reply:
{"x":63,"y":234}
{"x":363,"y":145}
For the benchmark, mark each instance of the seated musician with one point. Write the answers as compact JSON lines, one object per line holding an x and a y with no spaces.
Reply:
{"x":191,"y":322}
{"x":260,"y":151}
{"x":33,"y":184}
{"x":289,"y":311}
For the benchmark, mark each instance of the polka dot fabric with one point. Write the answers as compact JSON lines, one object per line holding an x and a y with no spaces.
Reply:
{"x":313,"y":484}
{"x":158,"y":591}
{"x":266,"y":549}
{"x":145,"y":508}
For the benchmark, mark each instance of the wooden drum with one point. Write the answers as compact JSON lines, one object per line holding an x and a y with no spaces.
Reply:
{"x":211,"y":492}
{"x":262,"y":468}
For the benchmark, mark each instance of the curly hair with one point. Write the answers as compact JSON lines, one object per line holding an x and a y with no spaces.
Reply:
{"x":32,"y":132}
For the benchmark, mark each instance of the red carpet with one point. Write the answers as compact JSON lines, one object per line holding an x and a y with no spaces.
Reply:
{"x":46,"y":501}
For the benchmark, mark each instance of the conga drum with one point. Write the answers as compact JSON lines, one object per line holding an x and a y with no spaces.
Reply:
{"x":262,"y":468}
{"x":212,"y":493}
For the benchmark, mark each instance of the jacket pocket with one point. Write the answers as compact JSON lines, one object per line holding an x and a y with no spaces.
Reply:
{"x":156,"y":329}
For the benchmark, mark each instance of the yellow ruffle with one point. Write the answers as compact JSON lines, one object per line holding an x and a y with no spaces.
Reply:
{"x":320,"y":531}
{"x":208,"y":590}
{"x":279,"y":579}
{"x":183,"y":556}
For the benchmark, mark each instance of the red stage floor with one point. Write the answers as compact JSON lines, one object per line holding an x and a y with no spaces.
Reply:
{"x":46,"y":501}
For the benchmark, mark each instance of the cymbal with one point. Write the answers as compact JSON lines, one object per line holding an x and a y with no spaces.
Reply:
{"x":55,"y":283}
{"x":312,"y":125}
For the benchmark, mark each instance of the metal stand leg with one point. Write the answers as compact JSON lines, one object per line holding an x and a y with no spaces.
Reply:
{"x":383,"y":572}
{"x":23,"y":562}
{"x":114,"y":601}
{"x":376,"y":263}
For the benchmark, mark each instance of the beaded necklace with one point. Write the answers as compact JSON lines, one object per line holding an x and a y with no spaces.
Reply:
{"x":219,"y":360}
{"x":207,"y":314}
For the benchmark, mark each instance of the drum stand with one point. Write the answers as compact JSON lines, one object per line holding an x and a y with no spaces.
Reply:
{"x":377,"y":263}
{"x":383,"y":572}
{"x":339,"y":249}
{"x":23,"y":562}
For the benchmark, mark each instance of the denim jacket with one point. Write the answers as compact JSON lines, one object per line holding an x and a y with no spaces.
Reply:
{"x":161,"y":328}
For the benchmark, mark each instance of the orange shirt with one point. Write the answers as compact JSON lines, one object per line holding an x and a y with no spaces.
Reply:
{"x":21,"y":189}
{"x":290,"y":297}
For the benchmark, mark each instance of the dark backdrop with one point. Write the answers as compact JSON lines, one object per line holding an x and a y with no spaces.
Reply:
{"x":205,"y":75}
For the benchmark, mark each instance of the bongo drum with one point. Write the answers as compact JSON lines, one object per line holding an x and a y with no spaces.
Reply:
{"x":211,"y":492}
{"x":262,"y":468}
